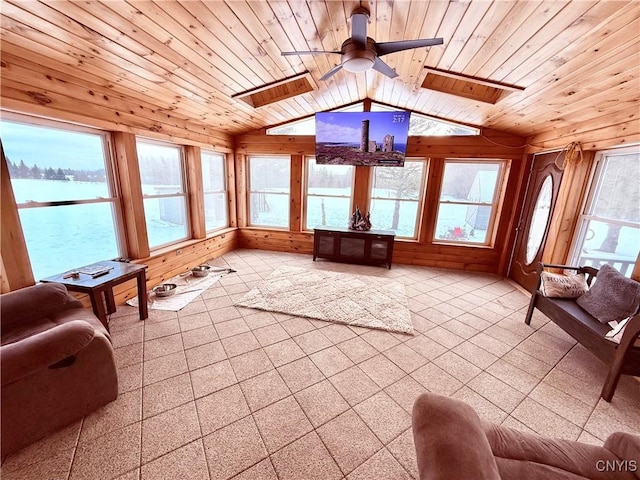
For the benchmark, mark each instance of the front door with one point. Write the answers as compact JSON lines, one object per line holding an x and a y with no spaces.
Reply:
{"x":540,"y":199}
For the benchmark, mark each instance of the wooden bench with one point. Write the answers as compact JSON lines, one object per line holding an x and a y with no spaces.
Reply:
{"x":623,"y":358}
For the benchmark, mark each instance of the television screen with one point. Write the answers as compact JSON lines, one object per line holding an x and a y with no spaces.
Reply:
{"x":362,"y":138}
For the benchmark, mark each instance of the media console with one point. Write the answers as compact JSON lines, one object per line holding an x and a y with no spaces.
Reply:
{"x":373,"y":247}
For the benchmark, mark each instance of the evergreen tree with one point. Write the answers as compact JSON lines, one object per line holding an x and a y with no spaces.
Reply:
{"x":60,"y":175}
{"x":13,"y":169}
{"x":35,"y":172}
{"x":49,"y":174}
{"x":23,"y":170}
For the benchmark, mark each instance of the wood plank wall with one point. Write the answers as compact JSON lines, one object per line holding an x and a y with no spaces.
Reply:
{"x":491,"y":145}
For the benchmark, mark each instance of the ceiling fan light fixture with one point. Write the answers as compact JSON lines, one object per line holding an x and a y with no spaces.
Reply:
{"x":358,"y":64}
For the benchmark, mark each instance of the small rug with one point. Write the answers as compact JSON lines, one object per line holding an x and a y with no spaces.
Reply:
{"x":188,"y":287}
{"x":364,"y":301}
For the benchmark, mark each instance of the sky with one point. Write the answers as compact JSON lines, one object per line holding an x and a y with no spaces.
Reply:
{"x":49,"y":147}
{"x":346,"y":126}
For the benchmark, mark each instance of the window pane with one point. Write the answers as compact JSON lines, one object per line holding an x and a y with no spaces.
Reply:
{"x":610,"y":243}
{"x":620,"y":174}
{"x":398,"y":182}
{"x":269,"y":191}
{"x":269,"y":209}
{"x":160,"y":168}
{"x":397,"y":215}
{"x":469,"y":182}
{"x":215,"y":210}
{"x":328,"y":211}
{"x":395,"y":196}
{"x":610,"y":225}
{"x":161,"y":174}
{"x":166,"y":220}
{"x":269,"y":174}
{"x":328,"y":194}
{"x":213,"y":176}
{"x":62,"y":238}
{"x":466,"y":223}
{"x":54,"y":164}
{"x":329,"y":179}
{"x":44,"y":170}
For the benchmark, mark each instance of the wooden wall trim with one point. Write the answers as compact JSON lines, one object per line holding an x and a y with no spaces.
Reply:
{"x":193,"y":165}
{"x":240,"y":166}
{"x":131,"y":194}
{"x":15,"y":263}
{"x":431,"y":200}
{"x":361,"y":188}
{"x":231,"y":189}
{"x":295,"y":193}
{"x":571,"y":195}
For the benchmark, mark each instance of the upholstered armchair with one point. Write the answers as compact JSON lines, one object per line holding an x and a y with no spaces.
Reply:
{"x":453,"y":443}
{"x":56,"y":362}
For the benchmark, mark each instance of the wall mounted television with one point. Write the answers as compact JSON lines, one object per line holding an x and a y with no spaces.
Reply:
{"x":362,"y":138}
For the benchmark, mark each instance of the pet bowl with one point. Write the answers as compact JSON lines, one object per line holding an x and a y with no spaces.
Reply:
{"x":200,"y":271}
{"x":165,"y":289}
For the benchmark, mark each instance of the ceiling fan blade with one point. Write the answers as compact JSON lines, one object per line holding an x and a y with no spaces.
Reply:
{"x":391,"y":47}
{"x":331,"y":72}
{"x":383,"y":68}
{"x":359,"y":20}
{"x":307,"y":52}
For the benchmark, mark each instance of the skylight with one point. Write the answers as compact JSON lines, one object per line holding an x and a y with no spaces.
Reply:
{"x":419,"y":126}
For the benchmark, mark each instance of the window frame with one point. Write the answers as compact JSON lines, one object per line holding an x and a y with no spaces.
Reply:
{"x":184,"y":194}
{"x":586,"y":215}
{"x":305,"y":193}
{"x":111,"y":176}
{"x":250,"y":191}
{"x":421,"y":194}
{"x":496,"y":201}
{"x":224,"y":191}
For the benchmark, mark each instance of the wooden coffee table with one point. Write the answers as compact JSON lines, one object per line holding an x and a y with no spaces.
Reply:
{"x":100,"y":288}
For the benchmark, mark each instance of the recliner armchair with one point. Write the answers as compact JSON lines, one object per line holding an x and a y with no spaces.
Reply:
{"x":453,"y":443}
{"x":56,"y":362}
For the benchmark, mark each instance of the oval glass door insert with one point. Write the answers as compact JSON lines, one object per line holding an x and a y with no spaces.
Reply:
{"x":539,"y":219}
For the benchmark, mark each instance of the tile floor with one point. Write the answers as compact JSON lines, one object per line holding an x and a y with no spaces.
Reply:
{"x":219,"y":392}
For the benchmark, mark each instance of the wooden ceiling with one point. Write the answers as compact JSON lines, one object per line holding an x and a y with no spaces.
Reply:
{"x":578,"y":61}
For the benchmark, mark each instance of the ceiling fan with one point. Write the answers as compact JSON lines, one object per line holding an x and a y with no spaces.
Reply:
{"x":360,"y":53}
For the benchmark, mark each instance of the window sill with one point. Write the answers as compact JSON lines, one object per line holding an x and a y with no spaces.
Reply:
{"x":184,"y":244}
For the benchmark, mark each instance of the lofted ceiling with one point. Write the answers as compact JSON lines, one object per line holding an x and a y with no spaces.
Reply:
{"x":577,"y":61}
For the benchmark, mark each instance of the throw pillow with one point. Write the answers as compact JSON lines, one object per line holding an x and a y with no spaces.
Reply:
{"x":563,"y":286}
{"x":612,"y":297}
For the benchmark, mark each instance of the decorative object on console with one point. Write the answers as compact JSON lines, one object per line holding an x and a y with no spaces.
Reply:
{"x":360,"y":222}
{"x":364,"y":301}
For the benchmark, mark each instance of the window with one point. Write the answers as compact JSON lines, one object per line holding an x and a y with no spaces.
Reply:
{"x":328,"y":199}
{"x":609,"y":226}
{"x":396,"y":197}
{"x":419,"y":126}
{"x":214,"y":182}
{"x":307,"y":126}
{"x":269,"y":191}
{"x":424,"y":126}
{"x":62,"y":179}
{"x":163,"y":192}
{"x":468,"y":200}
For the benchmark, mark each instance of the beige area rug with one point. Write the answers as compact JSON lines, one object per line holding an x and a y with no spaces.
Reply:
{"x":188,"y":287}
{"x":359,"y":300}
